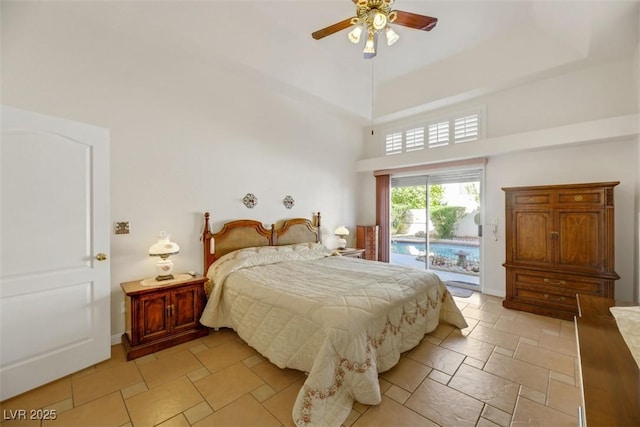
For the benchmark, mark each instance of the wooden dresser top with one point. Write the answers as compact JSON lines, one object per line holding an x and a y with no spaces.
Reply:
{"x":610,"y":374}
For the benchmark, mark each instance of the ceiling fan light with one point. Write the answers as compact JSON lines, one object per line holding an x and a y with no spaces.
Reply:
{"x":354,"y":35}
{"x":369,"y":46}
{"x":379,"y":20}
{"x":392,"y":36}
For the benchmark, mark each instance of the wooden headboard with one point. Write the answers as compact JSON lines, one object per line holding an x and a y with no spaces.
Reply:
{"x":247,"y":233}
{"x":297,"y":230}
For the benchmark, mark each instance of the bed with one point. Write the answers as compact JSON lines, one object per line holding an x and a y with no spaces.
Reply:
{"x":341,"y":320}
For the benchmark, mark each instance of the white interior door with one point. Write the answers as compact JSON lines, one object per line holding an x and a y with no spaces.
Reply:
{"x":54,"y":290}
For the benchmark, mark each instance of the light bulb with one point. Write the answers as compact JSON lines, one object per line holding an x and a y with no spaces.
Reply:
{"x":354,"y":35}
{"x":379,"y":20}
{"x":369,"y":46}
{"x":392,"y":36}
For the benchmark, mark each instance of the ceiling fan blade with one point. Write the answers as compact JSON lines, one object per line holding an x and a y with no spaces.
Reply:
{"x":332,"y":29}
{"x":413,"y":20}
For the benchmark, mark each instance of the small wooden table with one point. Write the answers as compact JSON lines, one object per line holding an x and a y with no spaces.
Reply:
{"x":609,"y":373}
{"x":162,"y":314}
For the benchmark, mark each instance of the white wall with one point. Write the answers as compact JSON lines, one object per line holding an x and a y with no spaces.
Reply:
{"x":189,"y":133}
{"x":608,"y":161}
{"x":580,"y":126}
{"x":593,"y":92}
{"x":636,"y":89}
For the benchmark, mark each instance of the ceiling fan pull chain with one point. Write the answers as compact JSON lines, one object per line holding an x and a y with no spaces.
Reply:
{"x":372,"y":93}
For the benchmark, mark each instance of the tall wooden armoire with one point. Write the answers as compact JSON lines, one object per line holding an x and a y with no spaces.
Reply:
{"x":559,"y":242}
{"x":367,"y":239}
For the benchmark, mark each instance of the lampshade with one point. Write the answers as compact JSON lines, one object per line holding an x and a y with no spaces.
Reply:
{"x":392,"y":36}
{"x":378,"y":19}
{"x":341,"y":231}
{"x":369,"y":46}
{"x":163,"y":248}
{"x":354,"y":35}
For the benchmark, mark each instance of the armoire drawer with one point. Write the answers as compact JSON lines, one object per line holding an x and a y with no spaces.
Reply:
{"x":554,"y":282}
{"x":552,"y":291}
{"x":563,"y":300}
{"x":581,"y":197}
{"x":533,"y":198}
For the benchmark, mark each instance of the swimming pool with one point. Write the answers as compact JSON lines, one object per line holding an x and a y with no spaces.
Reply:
{"x":446,"y":250}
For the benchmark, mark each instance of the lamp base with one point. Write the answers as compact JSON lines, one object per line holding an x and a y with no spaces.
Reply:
{"x":164,"y":268}
{"x":342,"y":243}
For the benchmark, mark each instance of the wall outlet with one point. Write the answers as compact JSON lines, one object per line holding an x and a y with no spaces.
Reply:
{"x":123,"y":308}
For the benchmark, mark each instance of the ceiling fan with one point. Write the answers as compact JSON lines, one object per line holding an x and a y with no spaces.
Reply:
{"x":375,"y":16}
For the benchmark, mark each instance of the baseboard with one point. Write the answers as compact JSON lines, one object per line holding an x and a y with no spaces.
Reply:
{"x":116,"y":339}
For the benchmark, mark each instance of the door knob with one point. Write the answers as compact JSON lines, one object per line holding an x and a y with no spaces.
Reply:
{"x":101,"y":257}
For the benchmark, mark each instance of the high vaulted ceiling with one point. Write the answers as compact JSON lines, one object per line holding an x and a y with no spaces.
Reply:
{"x":477,"y":46}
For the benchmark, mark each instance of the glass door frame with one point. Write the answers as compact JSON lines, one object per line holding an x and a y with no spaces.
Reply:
{"x":428,"y":175}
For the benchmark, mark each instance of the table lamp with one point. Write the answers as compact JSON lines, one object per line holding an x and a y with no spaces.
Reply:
{"x":342,"y":232}
{"x":164,"y":248}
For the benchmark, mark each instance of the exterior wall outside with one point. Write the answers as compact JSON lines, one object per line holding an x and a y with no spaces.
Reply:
{"x":465,"y":226}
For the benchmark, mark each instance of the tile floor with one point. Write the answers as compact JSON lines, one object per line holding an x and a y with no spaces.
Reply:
{"x":508,"y":368}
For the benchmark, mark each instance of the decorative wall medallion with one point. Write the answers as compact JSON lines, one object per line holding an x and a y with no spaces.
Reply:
{"x":250,"y":200}
{"x":288,"y":202}
{"x":121,"y":227}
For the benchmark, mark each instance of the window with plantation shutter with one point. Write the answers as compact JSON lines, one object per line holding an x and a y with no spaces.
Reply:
{"x":393,"y":143}
{"x":458,"y":127}
{"x":465,"y":128}
{"x":414,"y":139}
{"x":438,"y":134}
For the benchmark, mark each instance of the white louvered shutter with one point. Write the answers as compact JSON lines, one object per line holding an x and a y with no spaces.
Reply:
{"x":393,"y":143}
{"x":414,"y":139}
{"x":466,"y":128}
{"x":438,"y":134}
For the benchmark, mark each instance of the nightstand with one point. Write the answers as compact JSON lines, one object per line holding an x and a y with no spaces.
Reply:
{"x":351,"y":252}
{"x":162,"y":314}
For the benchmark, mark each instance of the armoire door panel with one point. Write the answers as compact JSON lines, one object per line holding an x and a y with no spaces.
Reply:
{"x":580,"y":241}
{"x":532,"y":241}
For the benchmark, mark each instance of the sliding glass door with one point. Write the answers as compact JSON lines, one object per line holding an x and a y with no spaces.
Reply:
{"x":435,"y":224}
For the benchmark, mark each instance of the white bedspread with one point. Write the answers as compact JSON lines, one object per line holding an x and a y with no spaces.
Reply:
{"x":340,"y":319}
